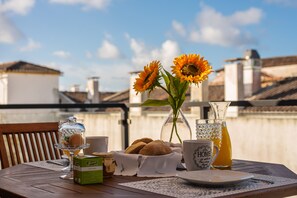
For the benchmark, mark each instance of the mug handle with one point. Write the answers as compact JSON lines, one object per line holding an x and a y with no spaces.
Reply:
{"x":216,"y":155}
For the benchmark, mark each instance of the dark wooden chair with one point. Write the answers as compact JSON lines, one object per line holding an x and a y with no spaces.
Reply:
{"x":28,"y":142}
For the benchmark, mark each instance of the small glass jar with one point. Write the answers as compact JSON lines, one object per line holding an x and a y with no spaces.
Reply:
{"x":71,"y":141}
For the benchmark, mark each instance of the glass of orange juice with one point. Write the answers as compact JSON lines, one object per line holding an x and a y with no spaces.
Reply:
{"x":210,"y":129}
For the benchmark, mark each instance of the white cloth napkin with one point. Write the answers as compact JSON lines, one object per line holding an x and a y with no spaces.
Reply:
{"x":126,"y":165}
{"x":146,"y":166}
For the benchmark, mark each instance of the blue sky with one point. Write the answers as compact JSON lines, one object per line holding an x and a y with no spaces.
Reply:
{"x":110,"y":38}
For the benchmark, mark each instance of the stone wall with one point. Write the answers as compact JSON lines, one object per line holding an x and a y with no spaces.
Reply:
{"x":266,"y":139}
{"x":255,"y":137}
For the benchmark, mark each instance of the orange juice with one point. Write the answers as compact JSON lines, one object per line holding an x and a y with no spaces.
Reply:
{"x":66,"y":152}
{"x":217,"y":142}
{"x":224,"y":159}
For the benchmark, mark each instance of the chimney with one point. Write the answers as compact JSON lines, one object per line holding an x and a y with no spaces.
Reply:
{"x":133,"y":98}
{"x":234,"y":89}
{"x":74,"y":88}
{"x":93,"y":89}
{"x":251,"y":72}
{"x":199,"y":93}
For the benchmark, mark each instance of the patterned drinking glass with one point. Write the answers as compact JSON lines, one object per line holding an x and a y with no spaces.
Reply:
{"x":210,"y":129}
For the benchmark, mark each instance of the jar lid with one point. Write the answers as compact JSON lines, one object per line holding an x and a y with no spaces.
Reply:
{"x":71,"y":126}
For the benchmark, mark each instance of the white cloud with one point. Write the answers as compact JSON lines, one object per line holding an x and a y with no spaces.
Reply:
{"x":17,"y":6}
{"x":31,"y":45}
{"x":9,"y":33}
{"x":250,"y":16}
{"x":283,"y":2}
{"x":62,"y":54}
{"x":108,"y":51}
{"x":142,"y":54}
{"x":212,"y":27}
{"x":169,"y":50}
{"x":112,"y":77}
{"x":89,"y":54}
{"x":179,"y":28}
{"x":86,"y":4}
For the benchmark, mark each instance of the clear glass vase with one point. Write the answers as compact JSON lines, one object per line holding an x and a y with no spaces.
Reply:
{"x":224,"y":159}
{"x":176,"y":128}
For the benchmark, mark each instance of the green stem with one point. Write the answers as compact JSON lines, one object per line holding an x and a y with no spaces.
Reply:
{"x":159,"y":85}
{"x":171,"y":134}
{"x":174,"y":128}
{"x":173,"y":106}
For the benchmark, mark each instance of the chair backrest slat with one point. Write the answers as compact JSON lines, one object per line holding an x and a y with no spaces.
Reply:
{"x":43,"y":145}
{"x":40,"y":152}
{"x":28,"y":142}
{"x":3,"y":153}
{"x":54,"y":138}
{"x":10,"y":150}
{"x":33,"y":146}
{"x":50,"y":149}
{"x":16,"y":148}
{"x":21,"y":137}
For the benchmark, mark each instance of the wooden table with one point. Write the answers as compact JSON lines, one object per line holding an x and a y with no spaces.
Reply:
{"x":29,"y":181}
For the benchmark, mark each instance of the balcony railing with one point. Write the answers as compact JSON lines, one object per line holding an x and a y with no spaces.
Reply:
{"x":204,"y":109}
{"x":83,"y":107}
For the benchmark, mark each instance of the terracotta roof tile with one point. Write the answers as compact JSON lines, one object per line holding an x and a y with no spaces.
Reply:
{"x":77,"y":97}
{"x":269,"y":109}
{"x":279,"y":61}
{"x":216,"y":93}
{"x":25,"y":67}
{"x":82,"y":96}
{"x":266,"y":79}
{"x":272,"y":62}
{"x":282,"y":90}
{"x":122,"y":96}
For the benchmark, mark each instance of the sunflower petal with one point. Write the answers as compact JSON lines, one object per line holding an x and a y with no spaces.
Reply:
{"x":191,"y":68}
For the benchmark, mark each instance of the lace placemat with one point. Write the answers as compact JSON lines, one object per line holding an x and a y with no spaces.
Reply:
{"x":177,"y":187}
{"x":55,"y":165}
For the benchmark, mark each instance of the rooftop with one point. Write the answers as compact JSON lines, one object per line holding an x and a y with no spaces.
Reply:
{"x":82,"y":96}
{"x":279,"y":61}
{"x":25,"y":67}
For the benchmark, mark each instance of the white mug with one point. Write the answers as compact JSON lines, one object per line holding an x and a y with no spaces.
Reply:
{"x":97,"y":144}
{"x":198,"y":154}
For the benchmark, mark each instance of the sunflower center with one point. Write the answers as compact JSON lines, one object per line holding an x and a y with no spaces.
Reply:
{"x":190,"y":69}
{"x":147,"y":78}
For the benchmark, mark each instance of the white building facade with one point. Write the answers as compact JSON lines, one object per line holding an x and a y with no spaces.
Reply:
{"x":26,"y":83}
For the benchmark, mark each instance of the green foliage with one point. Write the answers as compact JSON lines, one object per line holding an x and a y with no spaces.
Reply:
{"x":175,"y":89}
{"x":151,"y":102}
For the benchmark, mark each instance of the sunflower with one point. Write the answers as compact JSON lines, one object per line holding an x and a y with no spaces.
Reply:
{"x":187,"y":69}
{"x":191,"y":68}
{"x":148,"y":78}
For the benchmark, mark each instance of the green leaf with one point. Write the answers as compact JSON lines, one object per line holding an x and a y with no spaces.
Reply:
{"x":173,"y":89}
{"x":166,"y":79}
{"x":172,"y":102}
{"x":183,"y":88}
{"x":151,"y":102}
{"x":168,"y":74}
{"x":181,"y":101}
